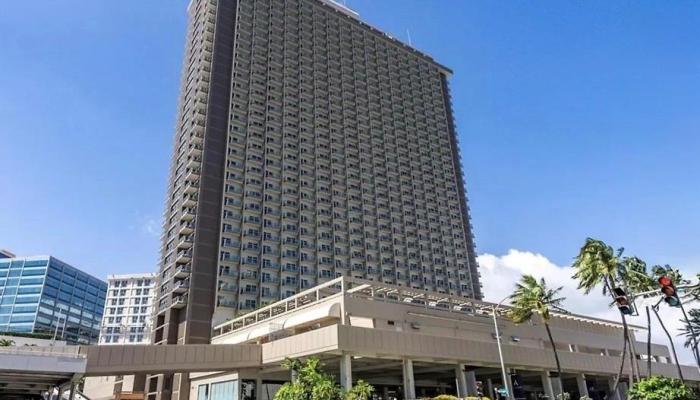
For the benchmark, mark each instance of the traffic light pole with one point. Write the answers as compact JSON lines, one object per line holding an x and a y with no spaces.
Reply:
{"x":506,"y":385}
{"x":691,"y":329}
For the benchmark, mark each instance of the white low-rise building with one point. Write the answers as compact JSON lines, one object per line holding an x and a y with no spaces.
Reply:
{"x":128,"y":309}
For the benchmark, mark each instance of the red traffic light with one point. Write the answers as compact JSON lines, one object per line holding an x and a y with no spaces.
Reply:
{"x":669,"y":291}
{"x":665,"y":281}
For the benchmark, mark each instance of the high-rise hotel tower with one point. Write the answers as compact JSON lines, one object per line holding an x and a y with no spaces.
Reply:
{"x":308,"y":145}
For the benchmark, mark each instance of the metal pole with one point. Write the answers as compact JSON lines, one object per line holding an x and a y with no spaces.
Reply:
{"x":509,"y":395}
{"x":55,"y":332}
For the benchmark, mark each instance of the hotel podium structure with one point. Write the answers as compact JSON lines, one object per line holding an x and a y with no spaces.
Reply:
{"x":308,"y":146}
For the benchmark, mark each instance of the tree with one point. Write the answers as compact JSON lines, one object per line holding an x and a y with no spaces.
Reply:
{"x":634,"y":276}
{"x":532,"y":296}
{"x":599,"y":264}
{"x":690,"y":327}
{"x":6,"y":342}
{"x":660,"y":388}
{"x":311,"y":383}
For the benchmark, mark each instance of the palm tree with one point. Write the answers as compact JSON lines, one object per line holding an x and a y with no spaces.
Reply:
{"x":598,"y":264}
{"x":690,"y":328}
{"x":532,"y":296}
{"x":635,"y":277}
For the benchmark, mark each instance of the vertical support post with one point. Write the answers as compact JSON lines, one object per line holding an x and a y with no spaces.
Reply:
{"x":71,"y":393}
{"x":258,"y":388}
{"x":409,"y":384}
{"x":623,"y":390}
{"x":489,"y":387}
{"x":509,"y":385}
{"x":547,"y":384}
{"x":461,"y":380}
{"x":611,"y":385}
{"x":346,"y":371}
{"x":582,"y":385}
{"x":472,"y":389}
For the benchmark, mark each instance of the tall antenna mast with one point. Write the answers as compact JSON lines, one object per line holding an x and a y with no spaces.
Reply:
{"x":408,"y":32}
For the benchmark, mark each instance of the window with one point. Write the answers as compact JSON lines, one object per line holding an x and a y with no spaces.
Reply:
{"x":203,"y":392}
{"x":224,"y":390}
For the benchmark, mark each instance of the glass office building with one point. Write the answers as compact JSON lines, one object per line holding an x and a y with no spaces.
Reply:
{"x":45,"y":295}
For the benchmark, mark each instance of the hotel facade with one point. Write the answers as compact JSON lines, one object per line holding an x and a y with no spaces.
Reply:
{"x":309,"y":146}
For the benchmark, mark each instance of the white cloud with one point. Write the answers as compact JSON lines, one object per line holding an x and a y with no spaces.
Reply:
{"x":499,"y":274}
{"x":150,"y":227}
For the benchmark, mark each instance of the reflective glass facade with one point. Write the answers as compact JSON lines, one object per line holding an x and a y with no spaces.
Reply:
{"x":45,"y":295}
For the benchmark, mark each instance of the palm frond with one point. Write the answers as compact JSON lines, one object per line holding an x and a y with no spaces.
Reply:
{"x":532,"y":296}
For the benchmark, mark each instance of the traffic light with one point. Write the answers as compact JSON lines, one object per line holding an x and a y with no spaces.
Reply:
{"x":669,"y":291}
{"x":623,"y":302}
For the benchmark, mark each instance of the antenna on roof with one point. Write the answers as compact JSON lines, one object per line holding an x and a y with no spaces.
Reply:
{"x":408,"y":32}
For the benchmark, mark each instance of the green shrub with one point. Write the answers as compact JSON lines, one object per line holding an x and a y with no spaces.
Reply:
{"x":660,"y":388}
{"x":312,"y":383}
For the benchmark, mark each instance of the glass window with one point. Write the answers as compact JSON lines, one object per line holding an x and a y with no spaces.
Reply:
{"x":31,"y":281}
{"x":203,"y":392}
{"x":35,"y":263}
{"x":27,"y":299}
{"x":25,"y":309}
{"x":224,"y":390}
{"x":22,"y":318}
{"x":28,"y":290}
{"x":34,"y":272}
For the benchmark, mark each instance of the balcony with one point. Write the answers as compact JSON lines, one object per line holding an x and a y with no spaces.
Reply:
{"x":249,"y":277}
{"x":227,"y":303}
{"x":179,"y":301}
{"x":188,"y":214}
{"x":181,"y":286}
{"x":228,"y":288}
{"x":191,"y":187}
{"x":183,"y":257}
{"x":194,"y":163}
{"x":182,"y":271}
{"x":190,"y":200}
{"x":186,"y":228}
{"x":185,"y":242}
{"x":195,"y":150}
{"x":197,"y":137}
{"x":192,"y":176}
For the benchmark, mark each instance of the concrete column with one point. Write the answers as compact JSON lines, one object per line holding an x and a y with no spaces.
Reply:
{"x":346,"y":371}
{"x":461,"y":378}
{"x":409,"y":384}
{"x":547,"y":385}
{"x":71,"y":393}
{"x":582,"y":385}
{"x":611,"y":384}
{"x":471,"y":383}
{"x":489,"y":387}
{"x":258,"y":388}
{"x":509,"y":386}
{"x":623,"y":390}
{"x":557,"y":386}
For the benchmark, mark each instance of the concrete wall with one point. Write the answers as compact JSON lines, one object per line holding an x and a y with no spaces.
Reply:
{"x":25,"y":341}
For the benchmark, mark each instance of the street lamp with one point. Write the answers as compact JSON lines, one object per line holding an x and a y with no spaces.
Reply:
{"x":509,"y":395}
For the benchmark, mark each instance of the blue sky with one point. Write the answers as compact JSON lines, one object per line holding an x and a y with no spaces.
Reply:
{"x":574,"y":118}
